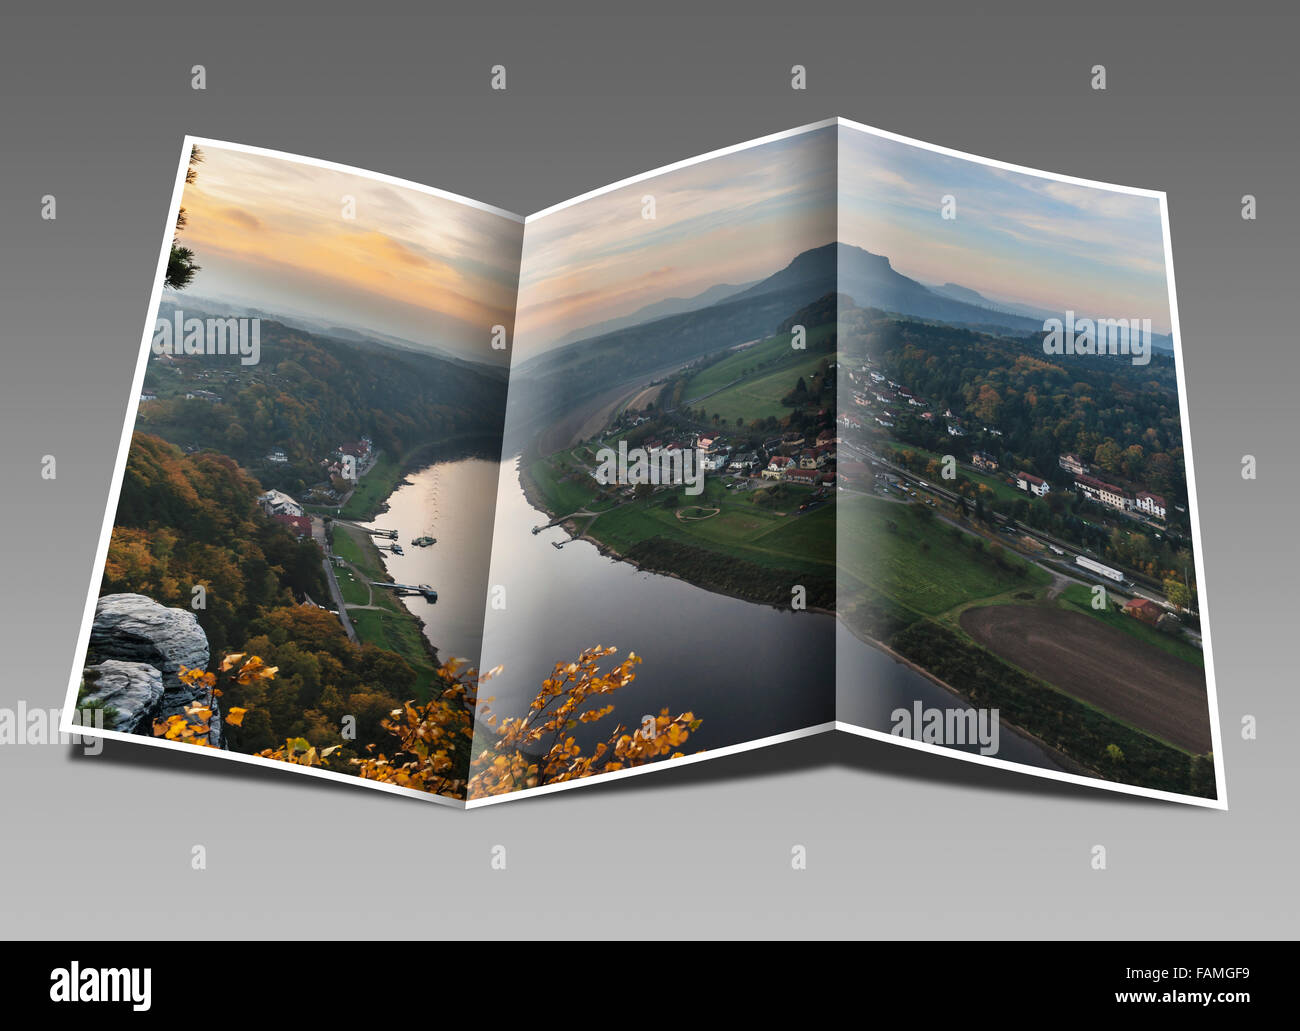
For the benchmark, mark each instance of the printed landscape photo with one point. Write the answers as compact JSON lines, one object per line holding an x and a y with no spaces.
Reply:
{"x":285,"y":510}
{"x":829,"y":430}
{"x":1014,"y":525}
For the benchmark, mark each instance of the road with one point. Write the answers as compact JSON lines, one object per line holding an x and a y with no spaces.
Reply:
{"x":318,"y":535}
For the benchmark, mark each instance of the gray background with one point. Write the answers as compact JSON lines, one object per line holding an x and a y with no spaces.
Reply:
{"x":93,"y":109}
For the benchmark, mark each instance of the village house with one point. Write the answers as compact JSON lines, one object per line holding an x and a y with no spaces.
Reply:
{"x":1104,"y":493}
{"x":983,"y":460}
{"x":1151,"y":504}
{"x":277,"y":456}
{"x":276,"y":503}
{"x":1033,"y":484}
{"x":743,"y":462}
{"x":808,"y":477}
{"x":1144,"y":609}
{"x":777,"y":467}
{"x":1072,"y":464}
{"x":715,"y":461}
{"x":148,"y":395}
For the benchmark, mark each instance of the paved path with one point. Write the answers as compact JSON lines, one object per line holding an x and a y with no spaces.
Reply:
{"x":318,"y":534}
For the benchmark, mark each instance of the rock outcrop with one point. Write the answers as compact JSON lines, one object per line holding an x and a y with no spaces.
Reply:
{"x":135,"y":630}
{"x":133,"y":690}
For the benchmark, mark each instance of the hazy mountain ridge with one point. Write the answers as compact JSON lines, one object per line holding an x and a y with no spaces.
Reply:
{"x":658,"y":310}
{"x":218,"y":308}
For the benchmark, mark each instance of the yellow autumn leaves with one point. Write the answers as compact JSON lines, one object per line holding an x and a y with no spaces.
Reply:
{"x":432,"y":743}
{"x":194,"y":725}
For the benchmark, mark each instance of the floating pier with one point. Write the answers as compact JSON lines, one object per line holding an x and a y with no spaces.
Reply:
{"x":429,"y":594}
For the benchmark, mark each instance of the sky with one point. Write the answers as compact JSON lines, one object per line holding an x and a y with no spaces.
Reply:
{"x":731,"y":219}
{"x":270,"y":233}
{"x":743,"y":216}
{"x":1016,"y":237}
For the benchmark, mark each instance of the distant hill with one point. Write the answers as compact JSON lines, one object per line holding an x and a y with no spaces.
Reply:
{"x":200,"y":306}
{"x":873,"y":283}
{"x":560,"y":378}
{"x":311,"y":392}
{"x":1159,"y":341}
{"x":588,"y":367}
{"x":658,"y":310}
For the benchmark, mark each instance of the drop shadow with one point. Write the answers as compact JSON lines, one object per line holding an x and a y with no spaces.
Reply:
{"x":870,"y":758}
{"x":831,"y":750}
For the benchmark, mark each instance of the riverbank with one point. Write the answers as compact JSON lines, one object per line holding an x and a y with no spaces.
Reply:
{"x":383,"y":620}
{"x":716,"y":571}
{"x":369,"y":499}
{"x":1065,"y":762}
{"x":658,"y":558}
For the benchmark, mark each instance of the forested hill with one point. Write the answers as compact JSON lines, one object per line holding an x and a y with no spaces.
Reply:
{"x":193,"y":519}
{"x":557,"y":379}
{"x":309,"y":393}
{"x":190,"y":520}
{"x":1123,"y":418}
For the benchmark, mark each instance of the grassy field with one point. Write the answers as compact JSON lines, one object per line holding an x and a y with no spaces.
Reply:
{"x":354,"y":591}
{"x":354,"y":546}
{"x":777,"y":537}
{"x":920,"y":563}
{"x":390,"y":626}
{"x":761,"y":530}
{"x":1078,"y":598}
{"x":374,"y":487}
{"x":759,"y":394}
{"x":565,"y":482}
{"x":762,"y":527}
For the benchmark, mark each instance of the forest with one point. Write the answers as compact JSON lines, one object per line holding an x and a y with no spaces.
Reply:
{"x":1121,"y":418}
{"x":310,"y":393}
{"x":192,"y":519}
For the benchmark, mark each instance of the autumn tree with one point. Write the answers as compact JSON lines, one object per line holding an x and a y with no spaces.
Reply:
{"x":430,"y":744}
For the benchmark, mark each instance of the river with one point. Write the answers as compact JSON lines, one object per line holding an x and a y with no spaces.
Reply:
{"x":452,"y":501}
{"x":748,"y":671}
